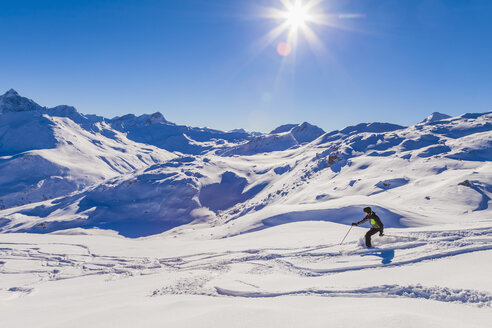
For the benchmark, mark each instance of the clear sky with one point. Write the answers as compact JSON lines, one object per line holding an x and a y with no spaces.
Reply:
{"x":203,"y":62}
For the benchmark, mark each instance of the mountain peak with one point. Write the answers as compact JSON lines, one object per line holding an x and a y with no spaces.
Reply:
{"x":284,"y":128}
{"x":306,"y":132}
{"x":11,"y":101}
{"x":434,"y":117}
{"x":11,"y":93}
{"x":156,"y":118}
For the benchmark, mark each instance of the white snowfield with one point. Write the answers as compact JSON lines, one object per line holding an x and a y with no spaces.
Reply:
{"x":138,"y":222}
{"x":293,"y":275}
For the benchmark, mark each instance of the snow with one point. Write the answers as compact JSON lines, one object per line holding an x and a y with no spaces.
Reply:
{"x":45,"y":157}
{"x":137,"y":221}
{"x":296,"y":272}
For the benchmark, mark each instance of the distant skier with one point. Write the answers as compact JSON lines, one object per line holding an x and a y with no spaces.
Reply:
{"x":376,"y":225}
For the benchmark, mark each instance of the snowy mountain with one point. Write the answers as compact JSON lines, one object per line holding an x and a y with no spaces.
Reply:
{"x":282,"y":138}
{"x":156,"y":130}
{"x":112,"y":174}
{"x":50,"y":152}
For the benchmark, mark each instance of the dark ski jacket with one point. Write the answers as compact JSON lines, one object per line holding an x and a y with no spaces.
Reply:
{"x":373,"y":220}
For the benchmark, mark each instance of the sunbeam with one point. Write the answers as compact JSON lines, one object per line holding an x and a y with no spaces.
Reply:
{"x":296,"y":20}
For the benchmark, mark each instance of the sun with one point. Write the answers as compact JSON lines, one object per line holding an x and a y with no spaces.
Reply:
{"x":296,"y":14}
{"x":296,"y":18}
{"x":297,"y":23}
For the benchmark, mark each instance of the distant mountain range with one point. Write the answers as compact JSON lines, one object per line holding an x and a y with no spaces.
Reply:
{"x":61,"y":169}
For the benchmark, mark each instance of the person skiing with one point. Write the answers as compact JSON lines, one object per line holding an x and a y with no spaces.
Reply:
{"x":376,"y":225}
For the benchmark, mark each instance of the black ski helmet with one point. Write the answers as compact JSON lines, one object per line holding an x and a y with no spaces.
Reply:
{"x":367,"y":210}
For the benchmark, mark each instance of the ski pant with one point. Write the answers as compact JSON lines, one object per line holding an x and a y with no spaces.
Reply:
{"x":371,"y":232}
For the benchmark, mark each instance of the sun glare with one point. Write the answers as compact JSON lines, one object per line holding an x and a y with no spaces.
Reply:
{"x":297,"y":15}
{"x":297,"y":20}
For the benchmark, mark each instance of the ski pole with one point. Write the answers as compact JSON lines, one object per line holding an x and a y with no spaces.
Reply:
{"x":346,"y":235}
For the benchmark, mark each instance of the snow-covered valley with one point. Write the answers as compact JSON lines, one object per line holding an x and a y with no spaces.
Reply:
{"x":136,"y":221}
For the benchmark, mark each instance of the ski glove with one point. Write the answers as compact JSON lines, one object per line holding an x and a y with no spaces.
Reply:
{"x":354,"y":224}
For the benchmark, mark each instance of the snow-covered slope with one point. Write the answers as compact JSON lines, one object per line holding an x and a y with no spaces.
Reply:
{"x":293,"y":275}
{"x":50,"y":152}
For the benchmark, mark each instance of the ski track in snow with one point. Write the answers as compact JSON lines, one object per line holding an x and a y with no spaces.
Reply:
{"x":200,"y":273}
{"x":441,"y":294}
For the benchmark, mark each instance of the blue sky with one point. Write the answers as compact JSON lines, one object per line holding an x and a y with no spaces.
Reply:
{"x":199,"y":61}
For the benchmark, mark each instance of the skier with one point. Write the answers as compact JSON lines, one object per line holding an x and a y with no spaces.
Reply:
{"x":376,"y":225}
